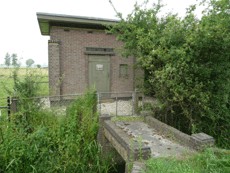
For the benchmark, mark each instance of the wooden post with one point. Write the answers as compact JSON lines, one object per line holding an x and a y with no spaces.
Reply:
{"x":13,"y":106}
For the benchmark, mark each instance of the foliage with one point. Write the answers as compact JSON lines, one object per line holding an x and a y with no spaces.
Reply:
{"x":29,"y":62}
{"x":38,"y":66}
{"x":7,"y":80}
{"x":210,"y":160}
{"x":11,"y":60}
{"x":186,"y":64}
{"x":128,"y":118}
{"x":15,"y":62}
{"x":7,"y":60}
{"x":67,"y":144}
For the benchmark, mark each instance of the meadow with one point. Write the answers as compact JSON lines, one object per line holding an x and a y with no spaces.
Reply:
{"x":7,"y":82}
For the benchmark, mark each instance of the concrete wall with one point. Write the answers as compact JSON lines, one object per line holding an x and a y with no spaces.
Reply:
{"x":196,"y":141}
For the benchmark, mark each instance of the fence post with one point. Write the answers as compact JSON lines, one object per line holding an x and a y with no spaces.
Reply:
{"x":98,"y":103}
{"x":116,"y":104}
{"x":8,"y":107}
{"x":143,"y":101}
{"x":135,"y":102}
{"x":13,"y":106}
{"x":133,"y":95}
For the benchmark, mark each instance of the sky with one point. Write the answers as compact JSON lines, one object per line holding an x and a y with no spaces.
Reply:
{"x":19,"y":30}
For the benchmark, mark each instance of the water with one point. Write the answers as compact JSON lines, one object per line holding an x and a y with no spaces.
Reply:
{"x":119,"y":168}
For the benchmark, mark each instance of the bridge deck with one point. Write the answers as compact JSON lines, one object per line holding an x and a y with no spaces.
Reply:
{"x":160,"y":146}
{"x":137,"y":140}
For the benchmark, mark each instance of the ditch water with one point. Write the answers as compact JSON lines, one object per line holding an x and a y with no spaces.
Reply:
{"x":119,"y":168}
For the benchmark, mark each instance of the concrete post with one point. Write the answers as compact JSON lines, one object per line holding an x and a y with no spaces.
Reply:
{"x":201,"y":141}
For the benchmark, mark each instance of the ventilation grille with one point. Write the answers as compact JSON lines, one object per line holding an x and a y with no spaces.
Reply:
{"x":99,"y":51}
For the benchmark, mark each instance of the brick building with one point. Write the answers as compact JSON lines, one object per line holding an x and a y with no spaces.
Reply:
{"x":82,"y":54}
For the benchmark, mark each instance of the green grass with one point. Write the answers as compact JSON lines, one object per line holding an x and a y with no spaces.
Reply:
{"x":6,"y":81}
{"x":209,"y":161}
{"x":128,"y":118}
{"x":35,"y":140}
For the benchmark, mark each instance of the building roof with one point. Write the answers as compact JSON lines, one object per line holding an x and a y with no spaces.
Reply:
{"x":46,"y":20}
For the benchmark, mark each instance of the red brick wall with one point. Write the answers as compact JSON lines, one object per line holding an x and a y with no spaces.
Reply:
{"x":73,"y":62}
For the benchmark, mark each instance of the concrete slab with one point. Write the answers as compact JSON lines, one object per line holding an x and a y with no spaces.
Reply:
{"x":161,"y":146}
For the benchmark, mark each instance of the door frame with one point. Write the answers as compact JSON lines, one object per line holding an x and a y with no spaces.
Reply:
{"x":97,"y":58}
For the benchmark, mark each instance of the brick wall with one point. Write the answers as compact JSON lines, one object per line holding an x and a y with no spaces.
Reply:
{"x":54,"y":70}
{"x":72,"y":67}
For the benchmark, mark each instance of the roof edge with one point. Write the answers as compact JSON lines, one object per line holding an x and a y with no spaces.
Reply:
{"x":46,"y":19}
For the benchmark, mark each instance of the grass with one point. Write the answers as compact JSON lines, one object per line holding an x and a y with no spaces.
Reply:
{"x":209,"y":161}
{"x":128,"y":118}
{"x":6,"y":81}
{"x":35,"y":140}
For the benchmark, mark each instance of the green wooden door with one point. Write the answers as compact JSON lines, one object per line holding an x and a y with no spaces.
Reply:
{"x":99,"y":72}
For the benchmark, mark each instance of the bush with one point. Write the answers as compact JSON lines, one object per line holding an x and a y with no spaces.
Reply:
{"x":187,"y":65}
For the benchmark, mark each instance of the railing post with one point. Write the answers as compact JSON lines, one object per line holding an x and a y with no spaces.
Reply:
{"x":98,"y":102}
{"x":8,"y":107}
{"x":116,"y":104}
{"x":143,"y":101}
{"x":135,"y":98}
{"x":13,"y":106}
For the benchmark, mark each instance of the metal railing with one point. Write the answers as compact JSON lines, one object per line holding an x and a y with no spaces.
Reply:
{"x":7,"y":107}
{"x":113,"y":103}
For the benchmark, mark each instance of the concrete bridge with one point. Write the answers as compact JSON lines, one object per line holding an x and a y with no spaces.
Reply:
{"x":136,"y":141}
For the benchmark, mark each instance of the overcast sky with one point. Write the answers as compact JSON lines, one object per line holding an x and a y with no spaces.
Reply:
{"x":19,"y":30}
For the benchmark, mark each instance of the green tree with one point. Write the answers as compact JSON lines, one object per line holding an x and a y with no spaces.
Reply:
{"x":29,"y":62}
{"x":8,"y":60}
{"x":15,"y":62}
{"x":39,"y":66}
{"x":187,"y":64}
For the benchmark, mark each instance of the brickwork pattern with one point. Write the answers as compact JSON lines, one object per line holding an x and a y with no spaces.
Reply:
{"x":54,"y":70}
{"x":73,"y":62}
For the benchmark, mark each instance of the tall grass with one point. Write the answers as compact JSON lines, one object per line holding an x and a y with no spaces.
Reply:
{"x":209,"y":161}
{"x":35,"y":140}
{"x":48,"y":144}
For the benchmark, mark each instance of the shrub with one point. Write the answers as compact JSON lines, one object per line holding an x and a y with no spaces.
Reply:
{"x":187,"y":65}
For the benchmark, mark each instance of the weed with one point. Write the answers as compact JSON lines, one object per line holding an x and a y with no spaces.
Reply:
{"x":211,"y":160}
{"x":35,"y":140}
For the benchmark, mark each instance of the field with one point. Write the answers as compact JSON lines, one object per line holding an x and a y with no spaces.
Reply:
{"x":7,"y":83}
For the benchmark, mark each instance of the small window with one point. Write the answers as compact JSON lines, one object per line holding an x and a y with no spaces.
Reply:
{"x":123,"y":70}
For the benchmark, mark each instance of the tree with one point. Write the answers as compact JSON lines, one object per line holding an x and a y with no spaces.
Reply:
{"x":187,"y":64}
{"x":14,"y":58}
{"x":39,"y":66}
{"x":8,"y":60}
{"x":29,"y":62}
